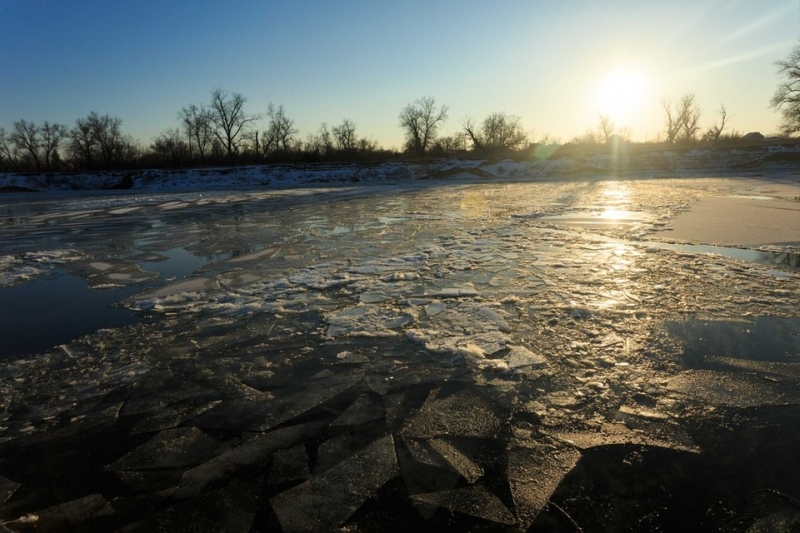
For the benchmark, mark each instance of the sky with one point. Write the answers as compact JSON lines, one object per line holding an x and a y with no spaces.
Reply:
{"x":557,"y":65}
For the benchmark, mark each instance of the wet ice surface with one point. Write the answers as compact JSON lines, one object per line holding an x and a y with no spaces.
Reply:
{"x":431,"y":357}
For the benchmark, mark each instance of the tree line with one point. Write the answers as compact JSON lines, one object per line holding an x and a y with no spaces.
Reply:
{"x":221,"y":131}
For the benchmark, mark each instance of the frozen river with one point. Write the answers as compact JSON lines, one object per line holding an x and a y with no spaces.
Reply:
{"x":511,"y":356}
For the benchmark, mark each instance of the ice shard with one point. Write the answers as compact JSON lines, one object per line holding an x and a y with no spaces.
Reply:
{"x":290,"y":464}
{"x":170,"y":448}
{"x":255,"y":451}
{"x":473,"y":501}
{"x":327,"y":500}
{"x":733,"y":389}
{"x":465,"y":413}
{"x":73,"y":513}
{"x":7,"y":489}
{"x":362,"y":411}
{"x":533,"y":475}
{"x":458,"y":461}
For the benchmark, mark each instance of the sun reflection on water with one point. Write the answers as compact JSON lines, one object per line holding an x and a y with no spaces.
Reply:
{"x":618,"y":260}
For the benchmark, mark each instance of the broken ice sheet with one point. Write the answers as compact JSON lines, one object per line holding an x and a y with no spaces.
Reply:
{"x":109,"y":273}
{"x":327,"y":500}
{"x":457,"y":460}
{"x":465,"y":413}
{"x":261,"y":414}
{"x":148,"y":481}
{"x":366,"y":320}
{"x":621,"y":434}
{"x":170,"y":416}
{"x":373,"y":297}
{"x":473,"y":501}
{"x":347,"y":357}
{"x":231,"y":509}
{"x":255,"y":451}
{"x":435,"y":308}
{"x":456,"y":292}
{"x":338,"y":448}
{"x":361,"y":411}
{"x":534,"y":473}
{"x":13,"y":271}
{"x":74,"y":512}
{"x":171,"y":448}
{"x":770,"y":511}
{"x":289,"y":465}
{"x":424,"y":470}
{"x":424,"y":453}
{"x":18,"y":268}
{"x":520,"y":357}
{"x":733,"y":389}
{"x":7,"y":488}
{"x":790,"y":371}
{"x":178,"y":296}
{"x":469,"y":329}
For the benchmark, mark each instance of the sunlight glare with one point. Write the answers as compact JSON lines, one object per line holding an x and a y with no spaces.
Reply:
{"x":620,"y":95}
{"x":615,"y":214}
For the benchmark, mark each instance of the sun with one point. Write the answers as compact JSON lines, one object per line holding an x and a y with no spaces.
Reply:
{"x":620,"y":94}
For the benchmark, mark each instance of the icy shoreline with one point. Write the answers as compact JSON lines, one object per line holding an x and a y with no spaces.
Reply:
{"x":656,"y":163}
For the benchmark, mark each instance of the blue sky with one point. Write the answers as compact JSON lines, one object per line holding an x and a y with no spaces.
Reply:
{"x":546,"y":62}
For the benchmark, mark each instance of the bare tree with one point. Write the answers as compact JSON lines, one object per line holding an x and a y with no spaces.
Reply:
{"x":83,"y":142}
{"x":129,"y":151}
{"x":197,"y":124}
{"x":52,"y":135}
{"x":108,"y":134}
{"x":284,"y":126}
{"x":280,"y":133}
{"x":624,"y":134}
{"x":505,"y":132}
{"x":5,"y":150}
{"x":170,"y":146}
{"x":365,"y":145}
{"x":605,"y":127}
{"x":672,"y":121}
{"x":421,"y":120}
{"x":450,"y":144}
{"x":326,"y":139}
{"x":690,"y":118}
{"x":99,"y":138}
{"x":787,"y":96}
{"x":682,"y":121}
{"x":313,"y":144}
{"x":715,"y":131}
{"x":498,"y":132}
{"x":25,"y":137}
{"x":229,"y":121}
{"x":472,"y":133}
{"x":345,"y":135}
{"x":590,"y":136}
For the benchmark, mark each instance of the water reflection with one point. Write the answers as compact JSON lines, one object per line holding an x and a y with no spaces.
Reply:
{"x":473,"y":204}
{"x":56,"y":309}
{"x":616,"y":193}
{"x":764,"y":257}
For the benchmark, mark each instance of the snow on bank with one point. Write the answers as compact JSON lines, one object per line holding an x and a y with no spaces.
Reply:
{"x":299,"y":175}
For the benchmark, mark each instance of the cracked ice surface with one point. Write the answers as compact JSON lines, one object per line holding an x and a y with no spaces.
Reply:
{"x":430,"y":357}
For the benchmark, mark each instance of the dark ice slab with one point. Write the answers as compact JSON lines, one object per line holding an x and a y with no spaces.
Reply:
{"x":327,"y":500}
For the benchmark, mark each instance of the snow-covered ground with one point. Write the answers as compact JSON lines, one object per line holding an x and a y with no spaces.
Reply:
{"x":625,"y":164}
